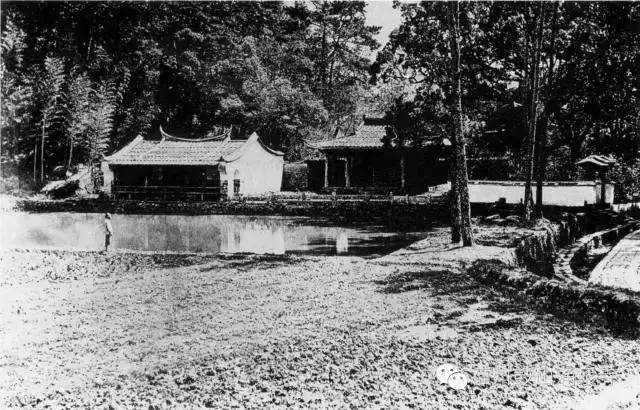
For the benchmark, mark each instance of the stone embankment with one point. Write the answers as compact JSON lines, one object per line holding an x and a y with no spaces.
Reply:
{"x":551,"y":286}
{"x":579,"y":250}
{"x":390,"y":211}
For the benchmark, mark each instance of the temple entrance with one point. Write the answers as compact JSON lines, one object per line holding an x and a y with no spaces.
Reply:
{"x":315,"y":175}
{"x":337,"y":173}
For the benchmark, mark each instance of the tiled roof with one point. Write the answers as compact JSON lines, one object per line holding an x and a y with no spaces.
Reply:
{"x":366,"y":136}
{"x":174,"y":151}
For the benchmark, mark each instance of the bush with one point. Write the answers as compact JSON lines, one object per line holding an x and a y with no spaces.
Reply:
{"x":626,"y":178}
{"x":9,"y":184}
{"x":294,"y":177}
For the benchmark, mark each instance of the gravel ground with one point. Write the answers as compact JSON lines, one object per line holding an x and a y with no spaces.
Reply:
{"x":143,"y":331}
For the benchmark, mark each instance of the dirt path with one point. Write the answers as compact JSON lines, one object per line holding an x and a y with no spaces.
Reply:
{"x":301,"y":332}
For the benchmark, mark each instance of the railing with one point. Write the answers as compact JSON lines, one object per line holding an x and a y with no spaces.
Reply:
{"x":166,"y":193}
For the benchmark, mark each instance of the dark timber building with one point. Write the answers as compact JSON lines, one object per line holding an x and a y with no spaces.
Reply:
{"x":367,"y":161}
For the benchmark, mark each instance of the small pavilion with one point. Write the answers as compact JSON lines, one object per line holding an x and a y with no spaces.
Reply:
{"x":598,"y":164}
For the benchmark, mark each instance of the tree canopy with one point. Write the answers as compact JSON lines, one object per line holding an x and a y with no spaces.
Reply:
{"x":111,"y":71}
{"x":82,"y":78}
{"x":589,"y":78}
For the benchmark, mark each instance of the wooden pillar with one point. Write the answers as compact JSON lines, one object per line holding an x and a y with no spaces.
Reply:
{"x":403,"y":181}
{"x":347,"y":179}
{"x":326,"y":171}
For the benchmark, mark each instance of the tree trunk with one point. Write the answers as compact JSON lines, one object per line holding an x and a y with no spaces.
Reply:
{"x":550,"y":109}
{"x":460,"y":169}
{"x":541,"y":155}
{"x":42,"y":150}
{"x":35,"y":161}
{"x":403,"y":170}
{"x":533,"y":114}
{"x":454,"y":197}
{"x":70,"y":155}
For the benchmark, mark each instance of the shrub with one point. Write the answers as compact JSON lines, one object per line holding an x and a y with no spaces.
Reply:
{"x":626,"y":178}
{"x":294,"y":177}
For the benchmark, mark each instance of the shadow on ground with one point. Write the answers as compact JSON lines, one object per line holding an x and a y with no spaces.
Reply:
{"x":438,"y":282}
{"x":246,"y":261}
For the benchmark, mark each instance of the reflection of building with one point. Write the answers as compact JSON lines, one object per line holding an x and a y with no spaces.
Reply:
{"x":342,"y":242}
{"x":253,"y":235}
{"x":199,"y":169}
{"x":365,"y":160}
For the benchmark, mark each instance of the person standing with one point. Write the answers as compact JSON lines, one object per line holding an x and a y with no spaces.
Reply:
{"x":108,"y":231}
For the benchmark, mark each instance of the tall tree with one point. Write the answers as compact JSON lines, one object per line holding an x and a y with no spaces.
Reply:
{"x":16,"y":92}
{"x":78,"y":112}
{"x":548,"y":110}
{"x":100,"y":125}
{"x":427,"y":51}
{"x":48,"y":93}
{"x":532,"y":118}
{"x":461,"y":184}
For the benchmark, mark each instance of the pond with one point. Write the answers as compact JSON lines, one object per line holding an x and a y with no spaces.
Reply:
{"x":202,"y":234}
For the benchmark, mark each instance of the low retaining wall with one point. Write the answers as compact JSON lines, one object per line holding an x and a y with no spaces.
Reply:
{"x":616,"y":309}
{"x":536,"y":251}
{"x":390,"y":212}
{"x":550,"y":288}
{"x":560,"y":193}
{"x":562,"y":266}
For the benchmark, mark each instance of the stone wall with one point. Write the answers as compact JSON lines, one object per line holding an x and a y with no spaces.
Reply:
{"x":579,"y":249}
{"x":540,"y":283}
{"x":618,"y":310}
{"x":389,"y":212}
{"x":536,"y":251}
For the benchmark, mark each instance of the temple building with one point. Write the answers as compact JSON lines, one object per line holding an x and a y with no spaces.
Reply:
{"x":367,"y":161}
{"x":192,"y":169}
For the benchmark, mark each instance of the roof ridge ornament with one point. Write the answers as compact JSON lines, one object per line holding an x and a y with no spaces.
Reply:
{"x":225,"y":134}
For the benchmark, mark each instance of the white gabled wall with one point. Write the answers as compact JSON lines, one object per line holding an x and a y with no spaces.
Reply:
{"x":259,"y":171}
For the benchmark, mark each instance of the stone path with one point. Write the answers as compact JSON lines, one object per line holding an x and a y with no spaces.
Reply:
{"x":621,"y":267}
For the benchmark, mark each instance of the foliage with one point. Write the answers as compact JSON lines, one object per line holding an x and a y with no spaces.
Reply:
{"x":286,"y":70}
{"x":589,"y":80}
{"x":626,"y":179}
{"x":48,"y":98}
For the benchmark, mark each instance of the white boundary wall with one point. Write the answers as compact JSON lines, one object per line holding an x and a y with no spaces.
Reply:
{"x":560,"y":193}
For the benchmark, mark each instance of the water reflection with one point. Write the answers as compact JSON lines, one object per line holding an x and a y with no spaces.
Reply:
{"x":207,"y":233}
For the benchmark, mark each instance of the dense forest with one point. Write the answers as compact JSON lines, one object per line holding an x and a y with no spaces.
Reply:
{"x":574,"y":67}
{"x":81,"y":79}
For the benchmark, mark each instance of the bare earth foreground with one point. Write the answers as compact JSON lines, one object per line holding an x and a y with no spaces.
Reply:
{"x":143,"y":331}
